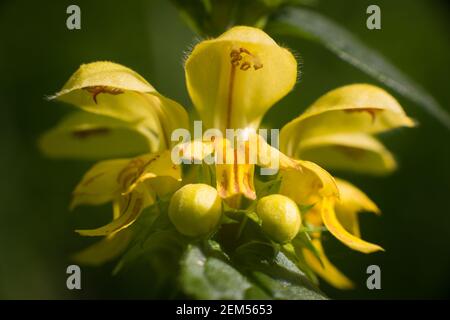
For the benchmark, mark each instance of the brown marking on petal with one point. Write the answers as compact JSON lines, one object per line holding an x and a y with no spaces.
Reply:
{"x":372,"y":111}
{"x":137,"y":206}
{"x":127,"y":200}
{"x":91,"y":179}
{"x":248,"y":183}
{"x":87,"y":133}
{"x":236,"y":172}
{"x":131,"y":173}
{"x":96,"y":90}
{"x":223,"y":185}
{"x":257,"y":65}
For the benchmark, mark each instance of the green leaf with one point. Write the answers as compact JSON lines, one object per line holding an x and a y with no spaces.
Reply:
{"x":90,"y":136}
{"x":213,"y":248}
{"x":304,"y":240}
{"x":257,"y":251}
{"x":207,"y":17}
{"x":274,"y":272}
{"x":210,"y":278}
{"x":151,"y":226}
{"x":309,"y":24}
{"x":281,"y":289}
{"x":160,"y":246}
{"x":282,"y":279}
{"x":265,"y":188}
{"x":305,"y":208}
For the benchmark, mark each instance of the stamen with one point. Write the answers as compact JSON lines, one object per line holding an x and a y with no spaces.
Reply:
{"x":245,"y":66}
{"x":244,"y":59}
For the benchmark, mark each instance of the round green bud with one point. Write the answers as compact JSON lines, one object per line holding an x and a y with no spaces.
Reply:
{"x":280,"y":217}
{"x":195,"y":209}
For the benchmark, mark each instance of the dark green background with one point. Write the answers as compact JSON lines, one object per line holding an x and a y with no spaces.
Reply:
{"x":38,"y":54}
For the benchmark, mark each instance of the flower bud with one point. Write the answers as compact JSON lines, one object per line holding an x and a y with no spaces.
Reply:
{"x":195,"y":209}
{"x":280,"y":217}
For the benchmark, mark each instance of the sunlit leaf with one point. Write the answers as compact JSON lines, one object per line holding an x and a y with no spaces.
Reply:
{"x":210,"y":278}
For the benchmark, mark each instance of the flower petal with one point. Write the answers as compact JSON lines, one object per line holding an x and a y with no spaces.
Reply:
{"x":353,"y":152}
{"x":335,"y":227}
{"x":109,"y":179}
{"x":234,"y":79}
{"x":270,"y":157}
{"x":99,"y":185}
{"x":234,"y":180}
{"x":193,"y":151}
{"x":91,"y":136}
{"x":352,"y":202}
{"x":350,"y":109}
{"x":326,"y":270}
{"x":104,"y":250}
{"x":113,"y":90}
{"x":308,"y":185}
{"x":147,"y":167}
{"x":131,"y":206}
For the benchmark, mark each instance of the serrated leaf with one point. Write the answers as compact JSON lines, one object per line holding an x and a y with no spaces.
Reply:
{"x":255,"y":250}
{"x":296,"y":255}
{"x":272,"y":270}
{"x":281,"y":289}
{"x":210,"y":278}
{"x":213,"y":248}
{"x":282,"y":279}
{"x":309,"y":24}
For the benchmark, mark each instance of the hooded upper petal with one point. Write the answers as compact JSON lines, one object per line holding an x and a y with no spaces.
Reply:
{"x":356,"y":152}
{"x":357,"y":108}
{"x":234,"y":79}
{"x":112,"y":90}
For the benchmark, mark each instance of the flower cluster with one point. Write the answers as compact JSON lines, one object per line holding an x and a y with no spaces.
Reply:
{"x":232,"y":81}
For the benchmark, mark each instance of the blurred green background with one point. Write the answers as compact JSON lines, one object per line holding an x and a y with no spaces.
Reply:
{"x":38,"y":54}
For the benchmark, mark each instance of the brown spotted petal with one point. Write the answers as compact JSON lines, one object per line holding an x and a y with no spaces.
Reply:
{"x":129,"y":183}
{"x":112,"y":90}
{"x":235,"y":78}
{"x":357,"y":108}
{"x":131,"y":205}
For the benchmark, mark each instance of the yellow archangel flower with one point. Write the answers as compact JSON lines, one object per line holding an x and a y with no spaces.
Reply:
{"x":232,"y":81}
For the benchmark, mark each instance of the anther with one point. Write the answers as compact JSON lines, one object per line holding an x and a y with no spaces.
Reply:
{"x":245,"y":66}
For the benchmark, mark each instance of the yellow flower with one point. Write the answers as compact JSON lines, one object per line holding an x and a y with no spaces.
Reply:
{"x":337,"y":133}
{"x":122,"y":114}
{"x":232,"y":81}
